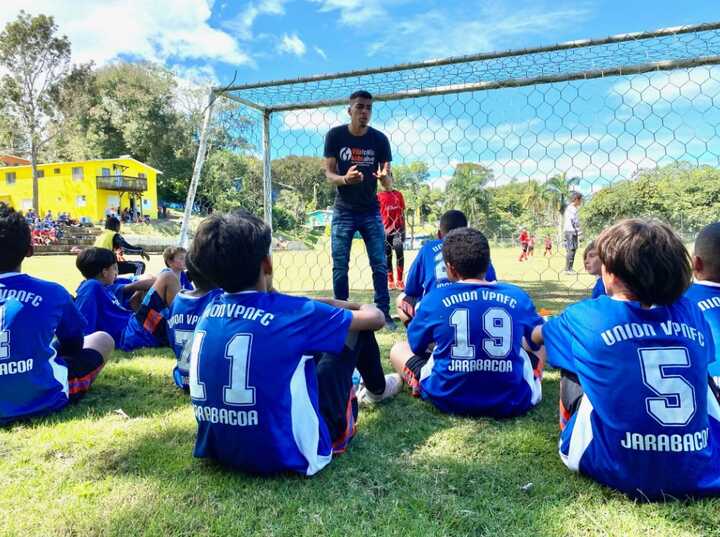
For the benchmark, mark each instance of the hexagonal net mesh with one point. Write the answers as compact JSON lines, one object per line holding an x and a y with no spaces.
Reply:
{"x":630,"y":121}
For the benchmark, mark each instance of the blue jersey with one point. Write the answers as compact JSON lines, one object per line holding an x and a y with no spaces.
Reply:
{"x":118,"y":289}
{"x":598,"y":289}
{"x":33,"y":379}
{"x":707,"y":296}
{"x":428,"y":270}
{"x":102,"y":309}
{"x":478,"y":366}
{"x":647,"y":423}
{"x":185,"y":283}
{"x":183,"y":316}
{"x":253,"y":383}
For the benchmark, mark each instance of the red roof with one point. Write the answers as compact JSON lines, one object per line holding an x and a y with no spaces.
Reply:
{"x":10,"y":160}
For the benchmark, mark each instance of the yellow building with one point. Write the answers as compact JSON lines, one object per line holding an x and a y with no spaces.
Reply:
{"x":87,"y":188}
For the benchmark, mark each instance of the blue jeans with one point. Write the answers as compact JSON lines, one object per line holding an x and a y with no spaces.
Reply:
{"x":344,"y":225}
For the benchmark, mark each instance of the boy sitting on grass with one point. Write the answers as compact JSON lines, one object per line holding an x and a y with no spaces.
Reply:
{"x":479,"y":365}
{"x":645,"y":420}
{"x":592,"y":266}
{"x":428,"y":268}
{"x":44,"y":360}
{"x":184,"y":313}
{"x":97,"y":301}
{"x":705,"y":291}
{"x":174,"y":257}
{"x":271,"y":374}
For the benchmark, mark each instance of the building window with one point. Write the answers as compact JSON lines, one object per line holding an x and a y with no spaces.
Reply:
{"x":56,"y":171}
{"x":40,"y":173}
{"x":77,"y":173}
{"x":10,"y":178}
{"x":105,"y":172}
{"x":81,"y":201}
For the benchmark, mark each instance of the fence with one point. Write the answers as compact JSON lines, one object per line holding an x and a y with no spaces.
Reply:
{"x":507,"y":136}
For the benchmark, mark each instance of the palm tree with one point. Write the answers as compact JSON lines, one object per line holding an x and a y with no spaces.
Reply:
{"x":558,"y":189}
{"x":467,"y":190}
{"x":535,"y":199}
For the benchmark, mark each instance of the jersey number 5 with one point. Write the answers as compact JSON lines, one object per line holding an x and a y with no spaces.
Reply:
{"x":237,"y":392}
{"x":675,"y":401}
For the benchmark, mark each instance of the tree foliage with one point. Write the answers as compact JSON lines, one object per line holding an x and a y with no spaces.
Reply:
{"x":35,"y":61}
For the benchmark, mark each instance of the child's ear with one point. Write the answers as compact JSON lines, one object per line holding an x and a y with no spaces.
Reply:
{"x":266,"y":265}
{"x":697,"y":264}
{"x":30,"y":251}
{"x":453,"y":275}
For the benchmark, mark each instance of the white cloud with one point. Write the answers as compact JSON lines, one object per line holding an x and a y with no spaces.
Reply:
{"x":475,"y":27}
{"x":320,"y":52}
{"x":319,"y":119}
{"x":157,"y":30}
{"x":292,"y":44}
{"x":241,"y":25}
{"x":355,"y":12}
{"x":697,"y":83}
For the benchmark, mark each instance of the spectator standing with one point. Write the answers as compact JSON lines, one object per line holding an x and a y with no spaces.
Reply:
{"x":356,"y":158}
{"x":392,"y":211}
{"x":571,"y":229}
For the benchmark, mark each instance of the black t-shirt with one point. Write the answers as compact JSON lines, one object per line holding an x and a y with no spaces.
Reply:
{"x":365,"y":151}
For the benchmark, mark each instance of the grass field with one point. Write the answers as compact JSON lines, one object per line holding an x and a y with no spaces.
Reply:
{"x":120,"y":463}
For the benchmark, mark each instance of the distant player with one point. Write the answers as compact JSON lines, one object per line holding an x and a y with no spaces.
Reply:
{"x":184,"y":313}
{"x":479,"y":365}
{"x":548,"y":246}
{"x":271,"y":374}
{"x":531,"y":245}
{"x":392,"y":212}
{"x":98,"y":302}
{"x":45,"y":362}
{"x":705,"y":292}
{"x":593,"y":266}
{"x":428,"y":269}
{"x":644,"y":419}
{"x":524,"y":240}
{"x":111,"y":239}
{"x":174,"y":257}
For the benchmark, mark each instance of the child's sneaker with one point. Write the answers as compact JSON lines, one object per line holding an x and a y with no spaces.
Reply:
{"x":393,"y":385}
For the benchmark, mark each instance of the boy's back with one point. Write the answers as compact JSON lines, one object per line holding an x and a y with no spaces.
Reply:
{"x":428,"y":270}
{"x":33,"y":380}
{"x":706,"y":295}
{"x":185,"y":311}
{"x":253,"y":384}
{"x":647,"y":423}
{"x":478,"y":365}
{"x":102,"y":309}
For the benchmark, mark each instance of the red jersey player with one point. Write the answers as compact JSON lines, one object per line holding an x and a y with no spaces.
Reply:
{"x":392,"y":211}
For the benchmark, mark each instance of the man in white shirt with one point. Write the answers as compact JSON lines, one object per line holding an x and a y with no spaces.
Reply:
{"x":571,"y":229}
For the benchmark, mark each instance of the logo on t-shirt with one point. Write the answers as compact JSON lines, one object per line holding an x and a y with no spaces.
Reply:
{"x":345,"y":153}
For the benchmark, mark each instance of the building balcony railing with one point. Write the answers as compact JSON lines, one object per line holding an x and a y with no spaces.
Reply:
{"x":122,"y":182}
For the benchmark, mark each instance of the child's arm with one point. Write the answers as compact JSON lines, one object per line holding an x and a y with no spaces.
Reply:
{"x":141,"y":285}
{"x":367,"y":317}
{"x":343,"y":304}
{"x":537,"y":335}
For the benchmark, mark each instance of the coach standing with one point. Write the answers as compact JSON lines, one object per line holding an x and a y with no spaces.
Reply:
{"x":571,"y":229}
{"x":356,"y":158}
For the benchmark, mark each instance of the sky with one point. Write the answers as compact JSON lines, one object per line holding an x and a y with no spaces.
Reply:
{"x":217,"y":41}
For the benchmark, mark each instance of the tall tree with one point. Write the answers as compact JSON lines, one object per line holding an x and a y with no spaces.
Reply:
{"x":557,"y":190}
{"x":467,"y":191}
{"x":35,"y":61}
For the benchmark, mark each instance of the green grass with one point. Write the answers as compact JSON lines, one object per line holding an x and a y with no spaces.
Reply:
{"x":92,"y":470}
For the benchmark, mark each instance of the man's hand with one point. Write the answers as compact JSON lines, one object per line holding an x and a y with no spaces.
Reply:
{"x":353,"y":176}
{"x":144,"y":256}
{"x":382,"y":175}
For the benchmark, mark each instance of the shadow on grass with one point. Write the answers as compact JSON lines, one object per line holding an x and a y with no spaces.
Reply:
{"x":137,"y":386}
